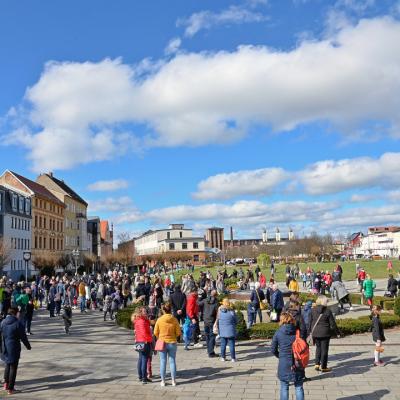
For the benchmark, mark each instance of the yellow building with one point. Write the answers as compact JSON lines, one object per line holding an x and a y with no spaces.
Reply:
{"x":47,"y":216}
{"x":75,"y":214}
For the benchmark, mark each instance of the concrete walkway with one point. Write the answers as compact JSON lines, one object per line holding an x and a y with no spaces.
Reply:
{"x":97,"y":361}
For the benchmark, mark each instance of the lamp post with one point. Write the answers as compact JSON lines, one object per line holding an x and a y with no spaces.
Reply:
{"x":27,"y":257}
{"x":75,"y":254}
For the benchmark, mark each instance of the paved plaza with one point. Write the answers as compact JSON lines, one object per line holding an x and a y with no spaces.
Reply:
{"x":97,"y":361}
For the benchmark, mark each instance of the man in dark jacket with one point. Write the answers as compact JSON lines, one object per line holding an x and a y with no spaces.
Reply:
{"x":210,"y":305}
{"x":178,"y":304}
{"x":392,"y":286}
{"x":277,"y":300}
{"x":12,"y":333}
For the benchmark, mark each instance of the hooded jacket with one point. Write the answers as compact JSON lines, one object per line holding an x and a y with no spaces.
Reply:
{"x":340,"y":290}
{"x":167,"y":329}
{"x":326,"y":326}
{"x":12,"y":333}
{"x":227,"y":322}
{"x":210,"y":310}
{"x":178,"y":301}
{"x":281,"y":347}
{"x":142,"y":330}
{"x":192,"y":308}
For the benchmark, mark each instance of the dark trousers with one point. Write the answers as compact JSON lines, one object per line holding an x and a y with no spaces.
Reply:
{"x":180,"y":318}
{"x":196,"y":331}
{"x":10,"y":374}
{"x":52,"y":307}
{"x":58,"y":307}
{"x":321,"y":351}
{"x":210,"y":339}
{"x":28,"y":320}
{"x":142,"y":362}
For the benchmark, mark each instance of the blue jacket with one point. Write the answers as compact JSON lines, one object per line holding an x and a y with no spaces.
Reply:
{"x":254,"y":298}
{"x":227,"y":323}
{"x":12,"y":333}
{"x":277,"y":300}
{"x":281,"y":348}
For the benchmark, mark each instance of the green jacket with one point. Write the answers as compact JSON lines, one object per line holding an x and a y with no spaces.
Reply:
{"x":369,"y":286}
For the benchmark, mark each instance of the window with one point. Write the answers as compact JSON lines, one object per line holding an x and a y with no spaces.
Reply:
{"x":44,"y":243}
{"x":36,"y":242}
{"x":36,"y":221}
{"x":19,"y":243}
{"x":196,"y":257}
{"x":14,"y":202}
{"x":168,"y":235}
{"x":184,"y":246}
{"x":195,"y":245}
{"x":40,"y":242}
{"x":28,"y":206}
{"x":21,"y":204}
{"x":172,"y":246}
{"x":44,"y":223}
{"x":78,"y":241}
{"x":40,"y":221}
{"x":180,"y":235}
{"x":12,"y":243}
{"x":1,"y":201}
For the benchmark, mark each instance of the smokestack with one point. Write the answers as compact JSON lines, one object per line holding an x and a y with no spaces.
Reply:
{"x":231,"y":234}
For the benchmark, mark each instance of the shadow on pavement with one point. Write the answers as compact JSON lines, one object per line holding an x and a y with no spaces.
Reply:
{"x":378,"y":394}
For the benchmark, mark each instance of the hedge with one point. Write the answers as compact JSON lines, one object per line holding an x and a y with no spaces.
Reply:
{"x":349,"y":326}
{"x":241,"y":327}
{"x":124,"y":315}
{"x":388,"y":305}
{"x":397,"y":306}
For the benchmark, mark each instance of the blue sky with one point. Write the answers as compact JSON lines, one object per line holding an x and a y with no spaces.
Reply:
{"x":245,"y":113}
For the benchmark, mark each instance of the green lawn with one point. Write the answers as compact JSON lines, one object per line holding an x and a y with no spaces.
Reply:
{"x":377,"y":269}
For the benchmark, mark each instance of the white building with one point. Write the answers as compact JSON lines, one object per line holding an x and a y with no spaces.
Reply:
{"x":381,"y":241}
{"x":176,"y":238}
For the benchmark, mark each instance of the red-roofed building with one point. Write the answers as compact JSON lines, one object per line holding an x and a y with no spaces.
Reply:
{"x":107,"y":238}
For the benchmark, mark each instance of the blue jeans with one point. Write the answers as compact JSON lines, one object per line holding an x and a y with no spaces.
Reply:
{"x":83,"y":303}
{"x":210,"y":339}
{"x":142,"y":362}
{"x":170,"y":351}
{"x":251,"y":315}
{"x":298,"y":384}
{"x":231,"y":342}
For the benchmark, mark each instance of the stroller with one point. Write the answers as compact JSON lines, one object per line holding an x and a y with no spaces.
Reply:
{"x":67,"y":317}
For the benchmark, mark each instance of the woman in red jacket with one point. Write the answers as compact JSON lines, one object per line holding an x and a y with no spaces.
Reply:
{"x":144,"y":338}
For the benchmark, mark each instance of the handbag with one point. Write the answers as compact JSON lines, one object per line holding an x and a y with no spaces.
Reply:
{"x":379,"y":349}
{"x":139,"y":346}
{"x":262,"y":305}
{"x":273,"y":316}
{"x":309,"y":337}
{"x":215,"y":328}
{"x":160,"y":345}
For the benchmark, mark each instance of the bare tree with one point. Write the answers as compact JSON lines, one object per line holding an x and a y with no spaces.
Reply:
{"x":124,"y":237}
{"x":5,"y":253}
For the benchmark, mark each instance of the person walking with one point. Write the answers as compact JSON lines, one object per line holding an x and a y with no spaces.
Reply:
{"x":227,"y":321}
{"x":178,"y":303}
{"x":12,"y":333}
{"x":167,"y":331}
{"x":82,"y":296}
{"x":378,"y":335}
{"x":322,"y":328}
{"x":51,"y":299}
{"x":143,"y":341}
{"x":392,"y":286}
{"x":369,"y":287}
{"x":192,"y":311}
{"x":281,"y":348}
{"x":210,"y":305}
{"x":257,"y":296}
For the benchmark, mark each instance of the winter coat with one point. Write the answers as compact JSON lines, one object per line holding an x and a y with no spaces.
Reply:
{"x":210,"y":310}
{"x":377,"y":329}
{"x":281,"y":347}
{"x":307,"y":313}
{"x":294,"y":286}
{"x":167,"y":329}
{"x":141,"y":290}
{"x":227,"y":322}
{"x":12,"y":333}
{"x":340,"y":290}
{"x":255,"y":300}
{"x":300,"y":323}
{"x":277,"y":300}
{"x":178,"y":302}
{"x":369,"y":286}
{"x":142,"y":330}
{"x":192,"y":308}
{"x":392,"y":285}
{"x":326,"y":326}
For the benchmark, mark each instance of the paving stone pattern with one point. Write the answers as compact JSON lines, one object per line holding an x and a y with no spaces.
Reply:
{"x":97,"y":361}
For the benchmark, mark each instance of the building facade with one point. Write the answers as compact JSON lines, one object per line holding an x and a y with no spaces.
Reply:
{"x":381,"y":241}
{"x":75,"y":215}
{"x":47,"y":217}
{"x":215,"y":238}
{"x":93,"y":228}
{"x":176,"y":238}
{"x":107,"y":239}
{"x":15,"y":231}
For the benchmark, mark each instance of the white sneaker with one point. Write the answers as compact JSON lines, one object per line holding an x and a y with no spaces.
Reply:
{"x":233,"y":360}
{"x":162,"y":383}
{"x":198,"y":345}
{"x":351,"y":308}
{"x":173,"y":383}
{"x":222,"y":359}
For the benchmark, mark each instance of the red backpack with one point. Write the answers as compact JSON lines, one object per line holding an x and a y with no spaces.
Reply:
{"x":301,"y":352}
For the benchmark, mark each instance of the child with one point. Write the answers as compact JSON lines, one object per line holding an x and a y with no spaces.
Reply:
{"x":107,"y":307}
{"x":67,"y":317}
{"x":187,"y":332}
{"x":378,"y":336}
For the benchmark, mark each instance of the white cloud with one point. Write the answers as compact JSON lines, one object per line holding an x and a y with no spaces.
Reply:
{"x":335,"y":176}
{"x":250,"y":182}
{"x":362,"y":198}
{"x":173,"y":46}
{"x":111,"y":204}
{"x":108,"y":186}
{"x":394,"y":195}
{"x":78,"y":109}
{"x":208,"y":19}
{"x":358,"y":6}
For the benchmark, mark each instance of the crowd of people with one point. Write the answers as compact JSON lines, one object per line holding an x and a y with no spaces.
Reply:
{"x":187,"y":311}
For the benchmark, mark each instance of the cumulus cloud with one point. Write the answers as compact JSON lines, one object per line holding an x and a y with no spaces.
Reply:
{"x":78,"y":111}
{"x":112,"y":204}
{"x":335,"y":176}
{"x":173,"y":46}
{"x":250,"y":182}
{"x":207,"y":19}
{"x":108,"y":186}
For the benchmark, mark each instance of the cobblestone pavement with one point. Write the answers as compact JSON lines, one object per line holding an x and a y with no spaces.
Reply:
{"x":97,"y":361}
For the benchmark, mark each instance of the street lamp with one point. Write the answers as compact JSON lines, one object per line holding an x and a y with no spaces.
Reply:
{"x":27,"y":257}
{"x":75,"y":254}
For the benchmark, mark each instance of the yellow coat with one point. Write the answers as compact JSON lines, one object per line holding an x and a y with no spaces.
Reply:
{"x":167,"y":329}
{"x":293,"y":286}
